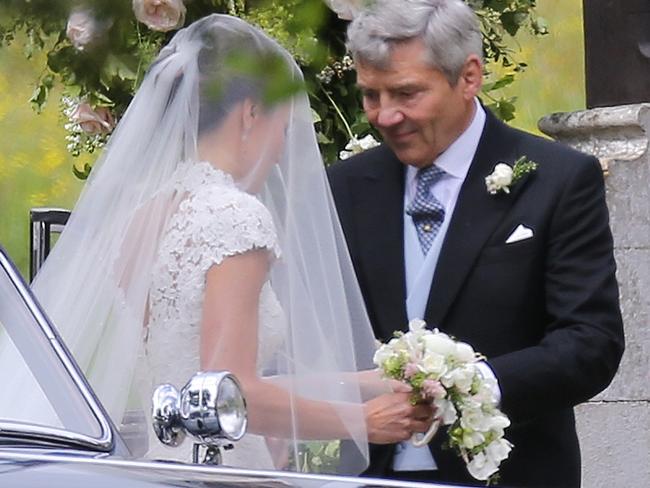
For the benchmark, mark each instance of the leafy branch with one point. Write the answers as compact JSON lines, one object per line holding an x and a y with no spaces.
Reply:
{"x":107,"y":71}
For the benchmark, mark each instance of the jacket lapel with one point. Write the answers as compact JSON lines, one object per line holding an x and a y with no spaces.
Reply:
{"x":380,"y":224}
{"x":476,"y":215}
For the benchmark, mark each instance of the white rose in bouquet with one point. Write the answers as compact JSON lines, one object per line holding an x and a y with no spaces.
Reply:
{"x":383,"y":354}
{"x":473,"y":439}
{"x":446,"y":411}
{"x":434,"y":364}
{"x":481,"y":467}
{"x":444,"y":371}
{"x":461,"y":378}
{"x":464,"y":353}
{"x":439,"y":344}
{"x":160,"y":15}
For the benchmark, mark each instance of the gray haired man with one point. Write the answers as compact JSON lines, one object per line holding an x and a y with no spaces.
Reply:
{"x":525,"y":276}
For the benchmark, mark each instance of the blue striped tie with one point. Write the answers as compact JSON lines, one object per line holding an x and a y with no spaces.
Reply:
{"x":426,"y":210}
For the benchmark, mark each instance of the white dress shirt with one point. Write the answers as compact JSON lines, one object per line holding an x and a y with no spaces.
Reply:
{"x":419,"y":269}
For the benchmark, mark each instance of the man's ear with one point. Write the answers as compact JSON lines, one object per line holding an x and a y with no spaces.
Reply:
{"x":471,"y":76}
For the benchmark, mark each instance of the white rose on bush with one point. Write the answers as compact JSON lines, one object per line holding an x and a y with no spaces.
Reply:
{"x":93,"y":121}
{"x":356,"y":146}
{"x":160,"y":15}
{"x":83,"y":28}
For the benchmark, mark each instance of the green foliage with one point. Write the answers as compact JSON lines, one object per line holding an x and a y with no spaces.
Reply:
{"x":318,"y":457}
{"x":109,"y":70}
{"x":522,"y":167}
{"x":35,"y":168}
{"x":502,"y":20}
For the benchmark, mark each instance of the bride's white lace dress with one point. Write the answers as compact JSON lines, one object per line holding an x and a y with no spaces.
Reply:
{"x":213,"y":221}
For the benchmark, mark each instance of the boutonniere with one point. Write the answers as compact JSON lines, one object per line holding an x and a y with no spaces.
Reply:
{"x":504,"y":176}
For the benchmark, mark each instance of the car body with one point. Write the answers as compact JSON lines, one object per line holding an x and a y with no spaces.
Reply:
{"x":83,"y":446}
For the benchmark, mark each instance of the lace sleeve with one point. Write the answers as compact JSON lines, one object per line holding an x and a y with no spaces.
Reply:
{"x":230,"y":224}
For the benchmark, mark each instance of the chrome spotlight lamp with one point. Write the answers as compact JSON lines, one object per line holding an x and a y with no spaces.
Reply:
{"x":210,"y":408}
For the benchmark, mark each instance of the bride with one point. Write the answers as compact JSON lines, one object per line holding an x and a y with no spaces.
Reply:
{"x":206,"y":238}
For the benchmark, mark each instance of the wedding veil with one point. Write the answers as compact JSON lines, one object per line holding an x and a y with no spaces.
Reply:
{"x":95,"y":284}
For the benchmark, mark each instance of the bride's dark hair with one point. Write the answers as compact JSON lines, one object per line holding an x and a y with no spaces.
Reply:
{"x":225,"y":79}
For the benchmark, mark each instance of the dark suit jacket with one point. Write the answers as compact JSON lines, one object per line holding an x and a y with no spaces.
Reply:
{"x":544,"y":311}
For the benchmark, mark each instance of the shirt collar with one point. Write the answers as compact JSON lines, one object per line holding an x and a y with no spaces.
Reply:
{"x":457,"y":158}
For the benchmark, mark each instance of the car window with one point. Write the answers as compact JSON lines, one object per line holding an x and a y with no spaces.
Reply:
{"x":36,"y":387}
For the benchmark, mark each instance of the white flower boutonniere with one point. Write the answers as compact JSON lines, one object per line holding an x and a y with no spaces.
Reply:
{"x":504,"y":176}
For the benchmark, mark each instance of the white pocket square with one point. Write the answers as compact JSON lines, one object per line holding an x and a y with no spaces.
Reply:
{"x":519,"y":234}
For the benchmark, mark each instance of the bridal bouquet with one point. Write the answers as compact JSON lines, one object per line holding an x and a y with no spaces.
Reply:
{"x":445,"y":372}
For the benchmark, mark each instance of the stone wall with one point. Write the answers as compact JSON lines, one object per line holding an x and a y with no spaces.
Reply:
{"x":614,"y":427}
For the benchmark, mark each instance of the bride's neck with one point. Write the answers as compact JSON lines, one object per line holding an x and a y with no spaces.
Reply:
{"x":221,"y":149}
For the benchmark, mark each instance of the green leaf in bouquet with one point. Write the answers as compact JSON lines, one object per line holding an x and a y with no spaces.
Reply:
{"x":394,"y":367}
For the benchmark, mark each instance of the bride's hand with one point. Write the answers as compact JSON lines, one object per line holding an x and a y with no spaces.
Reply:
{"x":392,"y":418}
{"x":373,"y":384}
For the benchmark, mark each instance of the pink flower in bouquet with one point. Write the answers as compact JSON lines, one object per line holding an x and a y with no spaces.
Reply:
{"x":411,"y":370}
{"x":160,"y":15}
{"x":443,"y":369}
{"x":433,"y":389}
{"x":83,"y":28}
{"x":93,"y":121}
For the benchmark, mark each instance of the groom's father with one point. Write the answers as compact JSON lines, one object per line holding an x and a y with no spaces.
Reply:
{"x":522,"y":270}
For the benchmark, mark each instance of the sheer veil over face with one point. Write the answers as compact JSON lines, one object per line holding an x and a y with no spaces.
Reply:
{"x":195,"y":105}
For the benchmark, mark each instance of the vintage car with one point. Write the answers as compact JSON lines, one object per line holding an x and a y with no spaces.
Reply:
{"x":83,"y":447}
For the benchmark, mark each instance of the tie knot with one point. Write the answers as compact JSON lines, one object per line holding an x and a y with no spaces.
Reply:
{"x":424,"y":202}
{"x":427,"y":212}
{"x":430,"y":175}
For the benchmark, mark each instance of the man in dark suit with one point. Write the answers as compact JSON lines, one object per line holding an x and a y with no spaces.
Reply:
{"x":525,"y":274}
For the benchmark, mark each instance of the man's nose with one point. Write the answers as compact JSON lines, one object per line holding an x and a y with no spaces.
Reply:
{"x":388,"y":116}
